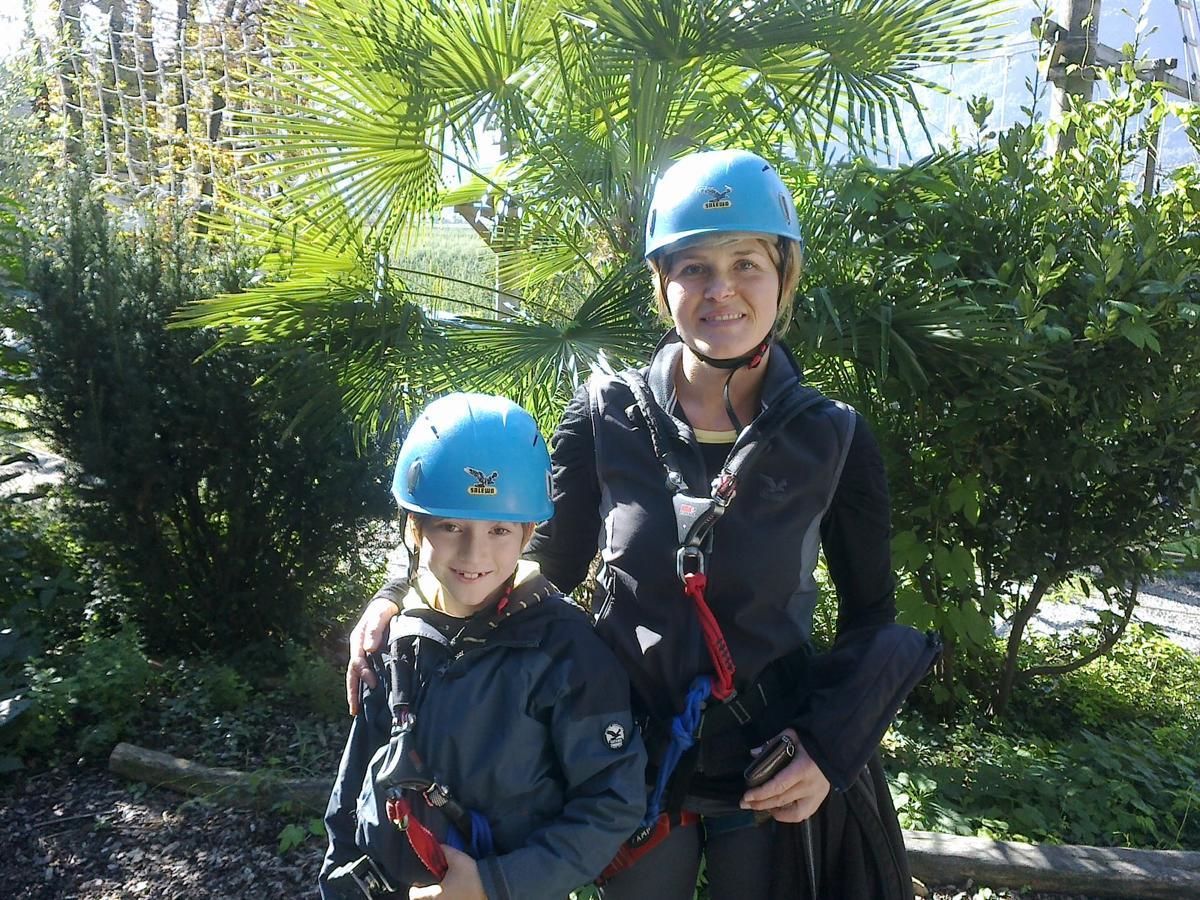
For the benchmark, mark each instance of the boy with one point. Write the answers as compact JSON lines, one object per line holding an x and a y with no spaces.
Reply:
{"x":509,"y":732}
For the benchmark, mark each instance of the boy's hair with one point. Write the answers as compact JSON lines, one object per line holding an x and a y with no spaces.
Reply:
{"x":777,"y":248}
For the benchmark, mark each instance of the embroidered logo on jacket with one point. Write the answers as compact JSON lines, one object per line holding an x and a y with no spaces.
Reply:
{"x":720,"y":199}
{"x":484,"y":486}
{"x":614,"y":736}
{"x":773,"y":488}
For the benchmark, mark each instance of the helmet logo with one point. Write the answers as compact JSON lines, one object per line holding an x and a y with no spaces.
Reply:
{"x":720,"y":199}
{"x":785,"y":203}
{"x":484,"y":486}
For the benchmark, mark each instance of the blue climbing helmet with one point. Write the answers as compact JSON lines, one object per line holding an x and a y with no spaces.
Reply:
{"x":474,"y":456}
{"x":719,"y":191}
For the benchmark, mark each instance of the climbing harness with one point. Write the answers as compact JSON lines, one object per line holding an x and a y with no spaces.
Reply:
{"x":696,"y":514}
{"x":408,"y":791}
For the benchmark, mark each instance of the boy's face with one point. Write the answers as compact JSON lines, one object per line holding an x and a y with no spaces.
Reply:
{"x":472,"y":559}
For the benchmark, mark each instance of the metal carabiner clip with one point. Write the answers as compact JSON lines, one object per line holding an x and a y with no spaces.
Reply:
{"x":689,"y":555}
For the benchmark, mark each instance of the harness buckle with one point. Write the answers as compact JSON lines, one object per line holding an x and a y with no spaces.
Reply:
{"x":689,"y":561}
{"x":437,"y":795}
{"x":369,"y":878}
{"x":740,"y":714}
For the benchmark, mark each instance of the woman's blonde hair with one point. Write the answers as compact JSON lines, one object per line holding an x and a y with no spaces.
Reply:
{"x":784,"y":252}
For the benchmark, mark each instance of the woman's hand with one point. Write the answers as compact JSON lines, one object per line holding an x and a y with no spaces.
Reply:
{"x":462,"y":880}
{"x":795,"y":793}
{"x":367,"y":637}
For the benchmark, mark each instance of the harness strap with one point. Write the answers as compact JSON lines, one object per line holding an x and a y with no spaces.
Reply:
{"x":695,"y":517}
{"x":423,"y":842}
{"x":714,"y":640}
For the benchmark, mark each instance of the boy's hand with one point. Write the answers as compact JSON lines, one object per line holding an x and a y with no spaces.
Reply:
{"x":795,"y":793}
{"x":462,"y":880}
{"x":367,"y":637}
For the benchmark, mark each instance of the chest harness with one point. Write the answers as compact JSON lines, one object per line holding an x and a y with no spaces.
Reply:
{"x":696,"y":513}
{"x":403,"y":776}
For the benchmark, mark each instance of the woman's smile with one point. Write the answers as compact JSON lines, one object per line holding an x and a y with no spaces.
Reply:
{"x":723,"y":297}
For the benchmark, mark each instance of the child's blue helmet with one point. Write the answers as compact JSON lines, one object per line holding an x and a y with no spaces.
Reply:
{"x":474,"y":456}
{"x":719,"y":191}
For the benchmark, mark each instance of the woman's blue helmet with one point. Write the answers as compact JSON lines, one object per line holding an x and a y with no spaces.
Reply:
{"x":474,"y":456}
{"x":719,"y":191}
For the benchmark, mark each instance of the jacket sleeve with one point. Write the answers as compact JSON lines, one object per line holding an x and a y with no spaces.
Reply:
{"x":603,"y":765}
{"x":856,"y":534}
{"x":566,"y":545}
{"x":853,"y":691}
{"x":368,"y":732}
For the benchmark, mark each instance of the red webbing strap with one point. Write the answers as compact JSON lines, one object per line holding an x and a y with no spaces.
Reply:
{"x":424,"y":844}
{"x":722,"y":686}
{"x":629,"y":853}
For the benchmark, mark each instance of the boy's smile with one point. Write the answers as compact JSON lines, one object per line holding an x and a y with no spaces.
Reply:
{"x":472,"y":559}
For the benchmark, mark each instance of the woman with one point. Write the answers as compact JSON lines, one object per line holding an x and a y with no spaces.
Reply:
{"x":709,"y":481}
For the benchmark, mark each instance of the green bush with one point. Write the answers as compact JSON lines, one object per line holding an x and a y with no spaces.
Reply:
{"x":313,"y":685}
{"x":42,"y":600}
{"x":221,"y":524}
{"x":1105,"y":755}
{"x":85,"y":697}
{"x":1070,"y":445}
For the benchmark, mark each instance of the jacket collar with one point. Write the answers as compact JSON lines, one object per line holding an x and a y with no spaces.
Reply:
{"x":491,"y":625}
{"x":782,"y":372}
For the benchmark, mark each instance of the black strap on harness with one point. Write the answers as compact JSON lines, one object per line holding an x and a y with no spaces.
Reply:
{"x":697,"y":512}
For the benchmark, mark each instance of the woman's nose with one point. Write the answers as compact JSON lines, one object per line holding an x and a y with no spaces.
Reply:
{"x":719,"y":286}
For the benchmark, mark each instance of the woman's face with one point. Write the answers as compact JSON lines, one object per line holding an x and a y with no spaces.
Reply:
{"x":723,"y":297}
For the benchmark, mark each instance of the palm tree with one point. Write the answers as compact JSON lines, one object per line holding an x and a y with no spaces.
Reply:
{"x":387,"y":104}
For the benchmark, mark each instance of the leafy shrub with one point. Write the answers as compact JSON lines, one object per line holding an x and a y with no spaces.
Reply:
{"x":1066,"y":441}
{"x":313,"y":685}
{"x":1105,"y":755}
{"x":222,"y":525}
{"x":87,"y":696}
{"x":41,"y":600}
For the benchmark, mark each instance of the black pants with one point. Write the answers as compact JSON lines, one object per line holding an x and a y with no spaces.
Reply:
{"x":737,"y":856}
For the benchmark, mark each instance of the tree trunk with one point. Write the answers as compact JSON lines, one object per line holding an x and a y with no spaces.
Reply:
{"x":1025,"y":612}
{"x":226,"y":786}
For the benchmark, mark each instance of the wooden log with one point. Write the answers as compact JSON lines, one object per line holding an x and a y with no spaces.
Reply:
{"x":936,"y":859}
{"x":254,"y":790}
{"x":1098,"y":871}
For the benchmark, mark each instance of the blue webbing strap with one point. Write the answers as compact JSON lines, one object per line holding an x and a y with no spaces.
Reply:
{"x":683,"y":735}
{"x":481,"y":844}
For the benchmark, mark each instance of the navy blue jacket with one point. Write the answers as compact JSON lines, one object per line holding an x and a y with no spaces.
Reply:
{"x":518,"y":718}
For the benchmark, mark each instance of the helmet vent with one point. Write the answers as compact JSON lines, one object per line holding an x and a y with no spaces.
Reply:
{"x":414,"y":476}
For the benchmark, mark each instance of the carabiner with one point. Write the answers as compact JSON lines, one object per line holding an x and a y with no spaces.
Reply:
{"x":684,"y":556}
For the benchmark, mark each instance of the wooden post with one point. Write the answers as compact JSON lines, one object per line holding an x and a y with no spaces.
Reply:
{"x":1081,"y":18}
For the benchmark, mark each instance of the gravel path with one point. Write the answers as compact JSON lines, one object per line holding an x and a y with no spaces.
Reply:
{"x":1171,"y":603}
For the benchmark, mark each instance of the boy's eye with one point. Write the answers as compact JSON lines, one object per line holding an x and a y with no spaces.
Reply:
{"x":450,"y":527}
{"x":501,"y":530}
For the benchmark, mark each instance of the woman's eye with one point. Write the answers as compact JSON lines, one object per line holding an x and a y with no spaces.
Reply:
{"x":450,"y":527}
{"x":501,"y":530}
{"x":745,"y":264}
{"x":691,"y":269}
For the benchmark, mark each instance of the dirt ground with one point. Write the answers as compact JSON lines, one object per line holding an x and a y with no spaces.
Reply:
{"x":89,"y":835}
{"x":85,"y":834}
